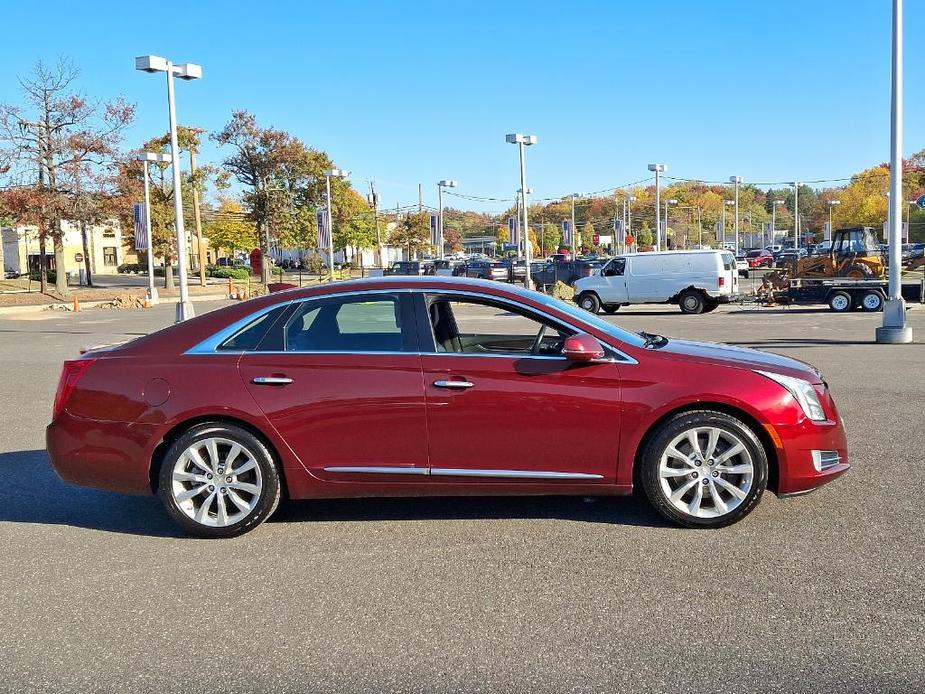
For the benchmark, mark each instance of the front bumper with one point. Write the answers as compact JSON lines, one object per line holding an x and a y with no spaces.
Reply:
{"x":798,"y":473}
{"x":115,"y":456}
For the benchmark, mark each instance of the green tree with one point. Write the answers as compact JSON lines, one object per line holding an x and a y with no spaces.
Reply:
{"x":229,"y":229}
{"x":551,"y":237}
{"x":412,"y":233}
{"x":644,"y":237}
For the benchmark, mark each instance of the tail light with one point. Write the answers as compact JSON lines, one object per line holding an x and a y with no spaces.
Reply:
{"x":71,"y":372}
{"x":722,"y":282}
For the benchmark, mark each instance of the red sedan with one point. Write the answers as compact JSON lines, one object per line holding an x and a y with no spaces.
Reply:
{"x":759,"y":258}
{"x":392,"y":386}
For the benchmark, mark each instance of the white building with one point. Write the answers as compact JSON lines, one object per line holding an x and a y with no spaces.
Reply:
{"x":104,"y":243}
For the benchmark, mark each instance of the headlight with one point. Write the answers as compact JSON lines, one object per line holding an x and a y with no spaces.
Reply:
{"x":802,"y":391}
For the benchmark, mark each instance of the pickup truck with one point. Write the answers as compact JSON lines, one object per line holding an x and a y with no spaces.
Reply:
{"x":547,"y":274}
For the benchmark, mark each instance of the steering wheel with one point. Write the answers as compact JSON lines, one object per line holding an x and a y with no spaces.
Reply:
{"x":535,"y":348}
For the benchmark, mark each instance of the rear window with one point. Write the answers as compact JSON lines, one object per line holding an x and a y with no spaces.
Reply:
{"x":728,"y":261}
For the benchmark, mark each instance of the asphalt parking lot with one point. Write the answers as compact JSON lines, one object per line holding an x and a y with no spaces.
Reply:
{"x":822,"y":593}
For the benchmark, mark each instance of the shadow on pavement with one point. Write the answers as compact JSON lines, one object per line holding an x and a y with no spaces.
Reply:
{"x":625,"y":510}
{"x":33,"y":493}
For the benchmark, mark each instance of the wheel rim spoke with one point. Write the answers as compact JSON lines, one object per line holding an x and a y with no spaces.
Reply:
{"x":203,"y":513}
{"x":190,"y":477}
{"x":196,"y":459}
{"x":711,"y":443}
{"x":729,"y":453}
{"x":718,"y":502}
{"x":245,"y":487}
{"x":682,"y":490}
{"x":222,"y":511}
{"x":731,"y":488}
{"x":743,"y":469}
{"x":694,"y":441}
{"x":233,"y":454}
{"x":248,"y":465}
{"x":665,"y":471}
{"x":694,"y":506}
{"x":675,"y":453}
{"x":190,"y":493}
{"x":212,"y":447}
{"x":238,"y":501}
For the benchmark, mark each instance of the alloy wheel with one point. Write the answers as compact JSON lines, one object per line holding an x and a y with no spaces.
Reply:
{"x":216,"y":482}
{"x":706,"y":472}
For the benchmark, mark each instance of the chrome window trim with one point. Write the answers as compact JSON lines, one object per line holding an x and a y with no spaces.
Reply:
{"x":464,"y":472}
{"x":210,"y":345}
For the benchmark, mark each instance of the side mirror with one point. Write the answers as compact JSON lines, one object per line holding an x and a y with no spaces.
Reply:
{"x":582,"y":348}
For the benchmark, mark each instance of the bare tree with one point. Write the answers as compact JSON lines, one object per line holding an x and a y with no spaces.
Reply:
{"x":64,"y":142}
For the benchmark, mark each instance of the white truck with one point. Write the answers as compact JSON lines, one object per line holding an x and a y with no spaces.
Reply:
{"x":697,"y":281}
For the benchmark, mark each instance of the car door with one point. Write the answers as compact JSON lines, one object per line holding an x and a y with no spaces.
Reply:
{"x":613,"y":282}
{"x":504,"y":404}
{"x":339,"y":378}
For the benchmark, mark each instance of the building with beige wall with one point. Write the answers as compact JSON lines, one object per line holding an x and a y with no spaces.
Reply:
{"x":104,"y":243}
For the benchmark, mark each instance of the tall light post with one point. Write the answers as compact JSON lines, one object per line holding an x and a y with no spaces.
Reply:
{"x":774,"y":220}
{"x":573,"y":197}
{"x":523,"y":141}
{"x":796,"y":214}
{"x":186,"y":71}
{"x":629,"y":220}
{"x":333,"y":172}
{"x":699,"y":224}
{"x":671,"y":201}
{"x":832,"y":203}
{"x":659,"y":169}
{"x":894,"y":329}
{"x":147,"y":158}
{"x":736,"y":181}
{"x":726,"y":203}
{"x":440,"y":186}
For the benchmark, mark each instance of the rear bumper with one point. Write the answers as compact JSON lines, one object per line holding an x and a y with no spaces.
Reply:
{"x":106,"y":455}
{"x":797,"y":472}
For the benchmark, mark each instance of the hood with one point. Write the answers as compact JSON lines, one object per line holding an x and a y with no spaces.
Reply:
{"x":743,"y":358}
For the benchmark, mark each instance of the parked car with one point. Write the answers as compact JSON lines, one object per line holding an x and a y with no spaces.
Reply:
{"x":742,"y":266}
{"x":774,"y":248}
{"x":409,"y":267}
{"x":448,"y":267}
{"x":698,"y":281}
{"x":488,"y":270}
{"x":703,"y":428}
{"x":759,"y":258}
{"x":517,"y":269}
{"x":788,"y":256}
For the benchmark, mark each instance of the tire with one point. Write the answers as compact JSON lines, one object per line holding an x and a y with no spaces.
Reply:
{"x":703,"y":504}
{"x":247,"y":497}
{"x":691,"y":301}
{"x":710,"y":307}
{"x":840,"y":302}
{"x":858,"y":272}
{"x":872,"y":301}
{"x":611,"y":309}
{"x":589,"y":302}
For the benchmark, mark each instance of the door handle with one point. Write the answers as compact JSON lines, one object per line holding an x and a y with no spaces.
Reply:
{"x":462,"y":385}
{"x":271,"y":380}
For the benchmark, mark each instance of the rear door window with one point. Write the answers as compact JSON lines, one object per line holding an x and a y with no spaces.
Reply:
{"x":371,"y":323}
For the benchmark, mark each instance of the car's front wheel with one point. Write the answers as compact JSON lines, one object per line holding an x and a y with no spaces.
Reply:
{"x":704,"y":469}
{"x":218,"y":480}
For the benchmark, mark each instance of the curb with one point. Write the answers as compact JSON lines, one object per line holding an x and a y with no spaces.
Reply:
{"x":66,"y":306}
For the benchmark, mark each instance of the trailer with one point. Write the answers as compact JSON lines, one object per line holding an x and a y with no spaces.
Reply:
{"x":847,"y":294}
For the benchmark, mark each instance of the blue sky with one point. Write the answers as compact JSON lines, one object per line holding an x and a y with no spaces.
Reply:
{"x":403,"y":92}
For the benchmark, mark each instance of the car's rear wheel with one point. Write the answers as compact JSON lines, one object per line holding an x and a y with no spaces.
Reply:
{"x":710,"y":306}
{"x":219,"y":480}
{"x":589,"y":302}
{"x":704,"y":469}
{"x":610,"y":309}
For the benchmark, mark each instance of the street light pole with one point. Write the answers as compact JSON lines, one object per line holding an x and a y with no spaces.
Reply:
{"x":187,"y":71}
{"x":894,"y":329}
{"x":671,"y":201}
{"x":574,"y":196}
{"x":523,"y":141}
{"x":796,"y":215}
{"x":774,"y":220}
{"x":726,"y":203}
{"x":147,"y":158}
{"x":335,"y":173}
{"x":832,"y":203}
{"x":736,"y":181}
{"x":658,"y":169}
{"x":629,"y":222}
{"x":440,"y":186}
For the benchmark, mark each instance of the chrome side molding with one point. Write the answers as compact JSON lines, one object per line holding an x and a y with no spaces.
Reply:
{"x":464,"y":472}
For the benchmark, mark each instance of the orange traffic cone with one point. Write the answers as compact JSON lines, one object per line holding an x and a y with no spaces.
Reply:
{"x":76,"y":303}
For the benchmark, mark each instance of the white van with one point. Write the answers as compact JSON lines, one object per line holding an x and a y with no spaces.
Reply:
{"x":698,"y":281}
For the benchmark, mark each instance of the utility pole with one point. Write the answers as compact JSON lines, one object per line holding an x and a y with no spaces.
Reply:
{"x":197,"y":216}
{"x":374,"y":201}
{"x":736,"y":181}
{"x":420,"y":197}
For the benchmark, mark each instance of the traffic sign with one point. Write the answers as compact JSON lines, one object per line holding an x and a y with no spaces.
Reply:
{"x":78,"y":257}
{"x":596,"y":240}
{"x":629,"y":240}
{"x":920,"y":201}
